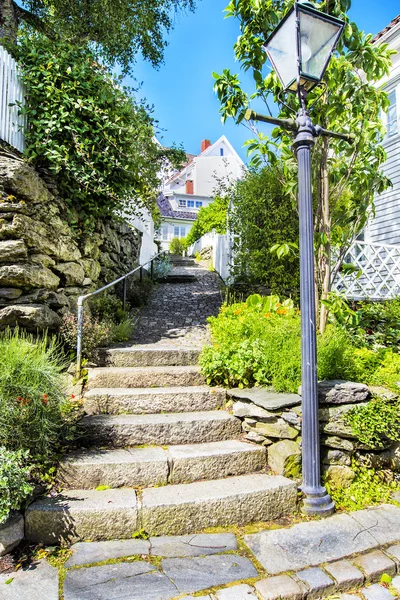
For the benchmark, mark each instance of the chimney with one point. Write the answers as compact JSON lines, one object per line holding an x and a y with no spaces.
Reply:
{"x":189,"y":186}
{"x":205,"y":144}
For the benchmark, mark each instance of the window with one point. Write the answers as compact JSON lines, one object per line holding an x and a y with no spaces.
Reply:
{"x":182,"y":203}
{"x":392,"y":120}
{"x":221,"y":151}
{"x":190,"y":203}
{"x":179,"y":232}
{"x":165,"y":232}
{"x":199,"y":204}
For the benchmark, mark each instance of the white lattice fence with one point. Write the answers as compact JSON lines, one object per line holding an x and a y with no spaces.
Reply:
{"x":12,"y":92}
{"x":378,"y":274}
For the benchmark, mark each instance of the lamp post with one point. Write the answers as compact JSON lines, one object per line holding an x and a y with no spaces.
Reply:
{"x":300,"y":49}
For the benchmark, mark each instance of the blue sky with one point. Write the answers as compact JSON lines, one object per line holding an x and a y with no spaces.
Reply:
{"x":202,"y":42}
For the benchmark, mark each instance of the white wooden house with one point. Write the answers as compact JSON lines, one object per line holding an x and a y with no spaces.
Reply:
{"x":193,"y":187}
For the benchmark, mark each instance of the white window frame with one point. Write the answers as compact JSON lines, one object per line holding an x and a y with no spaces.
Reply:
{"x":199,"y":204}
{"x":164,"y":233}
{"x":390,"y":134}
{"x":190,"y":203}
{"x":179,"y":231}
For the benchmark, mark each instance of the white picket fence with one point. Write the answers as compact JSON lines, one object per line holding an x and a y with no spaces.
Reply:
{"x":378,"y":276}
{"x":12,"y":93}
{"x":222,"y":253}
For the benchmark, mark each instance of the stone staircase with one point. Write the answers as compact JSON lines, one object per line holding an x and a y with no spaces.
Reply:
{"x":163,"y":455}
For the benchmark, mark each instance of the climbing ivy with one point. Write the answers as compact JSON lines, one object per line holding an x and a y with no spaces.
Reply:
{"x":376,"y":422}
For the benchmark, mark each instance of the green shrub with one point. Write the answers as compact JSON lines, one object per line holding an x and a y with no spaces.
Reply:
{"x":138,"y":292}
{"x":96,"y":334}
{"x":108,"y":307}
{"x":162,"y":267}
{"x":14,"y":480}
{"x":376,"y":423}
{"x":32,"y":398}
{"x":366,"y":489}
{"x":209,"y":217}
{"x":177,"y":246}
{"x":122,"y":332}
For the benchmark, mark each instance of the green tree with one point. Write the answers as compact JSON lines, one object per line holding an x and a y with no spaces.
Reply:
{"x":262,"y":216}
{"x":88,"y":131}
{"x":118,"y":29}
{"x":345,"y":177}
{"x":210,"y":217}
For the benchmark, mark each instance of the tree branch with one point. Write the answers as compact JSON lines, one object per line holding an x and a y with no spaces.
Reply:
{"x":35,"y":21}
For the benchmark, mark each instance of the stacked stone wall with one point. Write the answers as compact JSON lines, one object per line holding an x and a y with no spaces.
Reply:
{"x":275,"y":421}
{"x":45,"y":264}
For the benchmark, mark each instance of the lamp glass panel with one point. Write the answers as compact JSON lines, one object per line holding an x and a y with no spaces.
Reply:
{"x":281,"y":50}
{"x":317,"y":39}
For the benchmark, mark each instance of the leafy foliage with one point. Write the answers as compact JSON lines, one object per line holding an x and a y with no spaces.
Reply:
{"x":258,"y":342}
{"x":262,"y":217}
{"x":210,"y":217}
{"x":367,"y":489}
{"x":88,"y":131}
{"x":32,"y":397}
{"x":177,"y":246}
{"x":14,"y":477}
{"x":117,"y":30}
{"x":376,"y":423}
{"x":96,"y":334}
{"x":345,"y":177}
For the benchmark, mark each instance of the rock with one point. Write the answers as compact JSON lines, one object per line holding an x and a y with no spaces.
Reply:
{"x":195,"y":574}
{"x":281,"y":587}
{"x":86,"y":282}
{"x":72,"y":273}
{"x":375,"y":564}
{"x":12,"y":251}
{"x":279,"y":429}
{"x":246,"y":409}
{"x":42,"y":259}
{"x":347,"y":576}
{"x":339,"y":476}
{"x":285,"y":459}
{"x":335,"y":457}
{"x":88,"y":553}
{"x":339,"y":443}
{"x":382,"y":392}
{"x":292,"y":418}
{"x":342,"y":392}
{"x":376,"y":592}
{"x":31,"y":317}
{"x":28,"y":276}
{"x":252,"y":436}
{"x":11,"y":533}
{"x":92,"y":268}
{"x":381,"y":460}
{"x":9,"y":293}
{"x":333,"y":420}
{"x":20,"y":179}
{"x":265,"y":398}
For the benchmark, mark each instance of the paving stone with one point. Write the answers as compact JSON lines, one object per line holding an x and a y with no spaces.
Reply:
{"x":281,"y":587}
{"x":266,"y":399}
{"x":237,"y":592}
{"x":195,"y":574}
{"x":317,"y":581}
{"x":346,"y":575}
{"x":316,"y":542}
{"x":87,"y":553}
{"x":346,"y":597}
{"x":161,"y":429}
{"x":187,"y":508}
{"x":394,"y":552}
{"x":145,"y":377}
{"x":376,"y":592}
{"x":31,"y":583}
{"x":374,"y":564}
{"x":214,"y":460}
{"x":192,"y":545}
{"x":138,"y":580}
{"x":396,"y":583}
{"x":76,"y":515}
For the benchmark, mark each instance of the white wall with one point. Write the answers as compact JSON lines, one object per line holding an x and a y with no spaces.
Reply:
{"x":145,"y":224}
{"x":222,"y":255}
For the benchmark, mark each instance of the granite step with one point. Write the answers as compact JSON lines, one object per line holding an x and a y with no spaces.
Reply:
{"x":141,"y":467}
{"x":120,"y":431}
{"x":144,"y":377}
{"x":77,"y":515}
{"x":115,"y":401}
{"x":189,"y":508}
{"x":150,"y":356}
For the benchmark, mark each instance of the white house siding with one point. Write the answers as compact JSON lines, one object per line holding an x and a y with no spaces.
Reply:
{"x":384,"y":227}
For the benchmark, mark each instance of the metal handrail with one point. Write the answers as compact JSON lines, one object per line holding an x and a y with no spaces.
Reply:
{"x":81,"y":300}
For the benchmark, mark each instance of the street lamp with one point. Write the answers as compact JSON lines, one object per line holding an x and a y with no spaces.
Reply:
{"x":300,"y":49}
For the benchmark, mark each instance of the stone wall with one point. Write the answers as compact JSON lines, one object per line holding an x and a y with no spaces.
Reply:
{"x":44,"y":264}
{"x":274,"y":420}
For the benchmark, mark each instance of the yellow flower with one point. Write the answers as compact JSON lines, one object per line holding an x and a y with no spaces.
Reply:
{"x":267,"y":315}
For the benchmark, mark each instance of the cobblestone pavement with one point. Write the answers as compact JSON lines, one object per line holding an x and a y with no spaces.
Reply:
{"x":177,"y":313}
{"x":222,"y":567}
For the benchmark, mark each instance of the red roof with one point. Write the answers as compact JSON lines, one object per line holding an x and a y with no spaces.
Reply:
{"x":392,"y":24}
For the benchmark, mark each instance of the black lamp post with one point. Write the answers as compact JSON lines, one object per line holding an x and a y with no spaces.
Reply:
{"x":300,"y":49}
